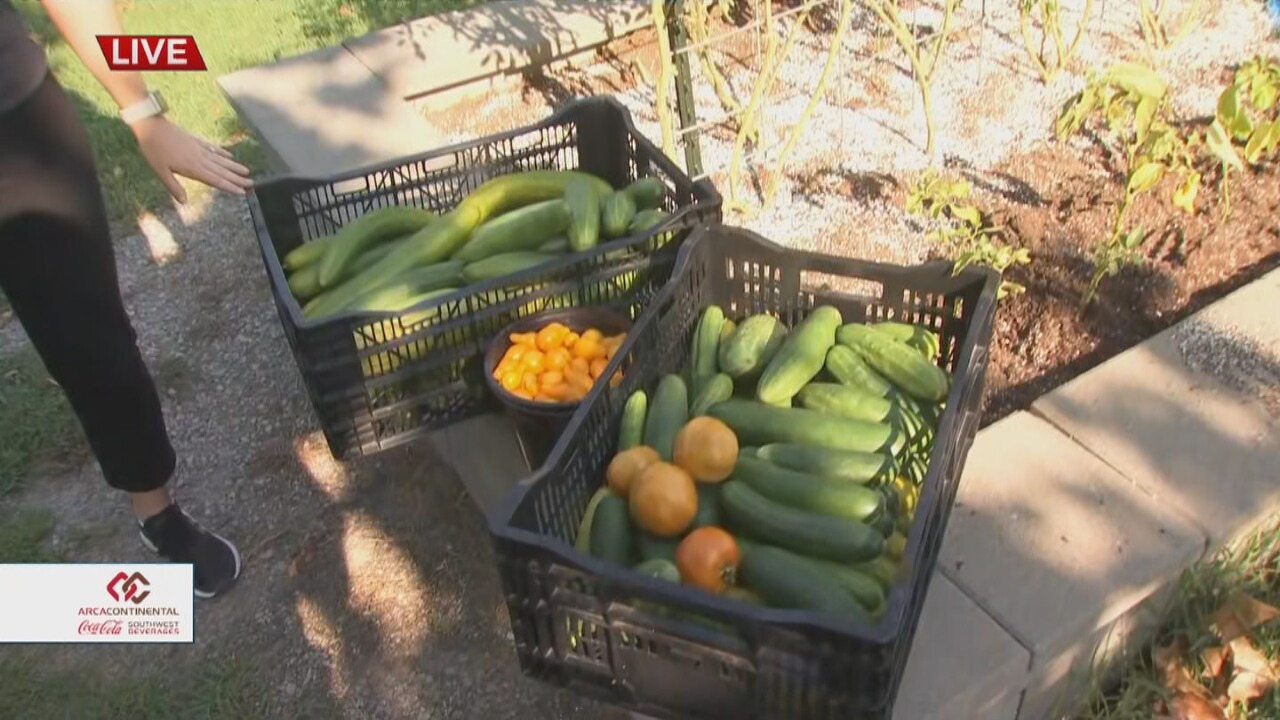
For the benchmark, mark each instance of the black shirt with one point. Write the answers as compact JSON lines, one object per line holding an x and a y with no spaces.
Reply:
{"x":22,"y":62}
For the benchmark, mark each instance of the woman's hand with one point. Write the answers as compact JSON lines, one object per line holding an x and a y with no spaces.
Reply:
{"x":171,"y":150}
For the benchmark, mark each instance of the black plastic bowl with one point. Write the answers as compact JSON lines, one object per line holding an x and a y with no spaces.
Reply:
{"x":540,"y":423}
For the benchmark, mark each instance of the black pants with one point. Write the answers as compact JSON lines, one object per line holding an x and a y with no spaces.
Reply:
{"x":58,"y":270}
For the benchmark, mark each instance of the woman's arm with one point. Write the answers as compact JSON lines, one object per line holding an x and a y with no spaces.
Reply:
{"x":168,"y":148}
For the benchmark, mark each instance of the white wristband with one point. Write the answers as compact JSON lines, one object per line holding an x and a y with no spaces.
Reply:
{"x":152,"y":106}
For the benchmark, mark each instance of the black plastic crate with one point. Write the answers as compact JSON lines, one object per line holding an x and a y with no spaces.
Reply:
{"x":653,"y":647}
{"x":377,"y":380}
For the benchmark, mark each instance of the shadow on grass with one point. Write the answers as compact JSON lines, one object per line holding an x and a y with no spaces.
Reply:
{"x":36,"y":423}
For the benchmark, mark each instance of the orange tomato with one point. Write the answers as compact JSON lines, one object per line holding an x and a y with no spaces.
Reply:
{"x":504,"y":367}
{"x":592,"y":334}
{"x":581,"y":382}
{"x":707,"y":449}
{"x":579,"y":366}
{"x":588,"y":348}
{"x":551,"y":336}
{"x":558,"y":392}
{"x":532,"y":361}
{"x":551,"y":377}
{"x":574,"y":393}
{"x":571,"y":339}
{"x":708,"y":558}
{"x":627,"y":465}
{"x":515,"y":352}
{"x":663,"y":499}
{"x":523,"y":338}
{"x":556,"y":358}
{"x":511,"y":380}
{"x":522,"y":393}
{"x":529,"y":383}
{"x":597,"y":367}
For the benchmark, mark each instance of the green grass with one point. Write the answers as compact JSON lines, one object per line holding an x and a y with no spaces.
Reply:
{"x":230,"y":690}
{"x":36,"y":423}
{"x":1250,"y":566}
{"x":231,"y":34}
{"x":22,"y":540}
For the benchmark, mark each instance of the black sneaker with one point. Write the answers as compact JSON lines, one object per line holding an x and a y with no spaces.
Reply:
{"x":177,"y":538}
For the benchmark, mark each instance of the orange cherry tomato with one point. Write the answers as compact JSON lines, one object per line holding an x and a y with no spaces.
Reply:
{"x":530,"y":382}
{"x":574,"y":393}
{"x":708,"y":558}
{"x":551,"y":336}
{"x":528,"y":338}
{"x":556,"y":358}
{"x":515,"y":352}
{"x":512,"y":380}
{"x":597,"y":367}
{"x":588,"y":348}
{"x":556,"y":392}
{"x":571,"y":339}
{"x":579,"y":366}
{"x":532,"y":361}
{"x":503,"y":368}
{"x":522,"y":393}
{"x":551,"y":377}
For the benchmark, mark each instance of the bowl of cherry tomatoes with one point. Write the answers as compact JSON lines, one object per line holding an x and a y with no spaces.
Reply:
{"x":543,"y":365}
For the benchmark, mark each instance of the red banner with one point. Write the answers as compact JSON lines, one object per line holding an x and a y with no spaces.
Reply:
{"x":151,"y":52}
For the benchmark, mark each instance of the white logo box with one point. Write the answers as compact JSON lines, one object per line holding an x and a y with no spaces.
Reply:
{"x":97,"y":603}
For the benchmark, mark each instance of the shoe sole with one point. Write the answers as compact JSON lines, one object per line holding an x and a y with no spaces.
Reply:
{"x":235,"y":552}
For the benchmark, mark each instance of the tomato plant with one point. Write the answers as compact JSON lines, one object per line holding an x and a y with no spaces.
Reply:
{"x":1046,"y":63}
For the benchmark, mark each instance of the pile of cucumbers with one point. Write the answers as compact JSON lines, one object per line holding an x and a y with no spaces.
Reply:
{"x":835,"y":423}
{"x":394,"y":258}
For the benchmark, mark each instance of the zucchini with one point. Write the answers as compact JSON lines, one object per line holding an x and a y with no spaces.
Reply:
{"x":901,"y":365}
{"x":833,"y":465}
{"x":652,"y":547}
{"x":362,"y":233}
{"x":523,"y":229}
{"x":308,"y":278}
{"x":862,"y":587}
{"x":784,"y":582}
{"x":660,"y":568}
{"x":882,"y":569}
{"x":801,"y":356}
{"x":611,"y":531}
{"x":306,"y":254}
{"x":633,"y":414}
{"x":820,"y":536}
{"x":392,"y":296}
{"x":616,"y":213}
{"x":507,"y":192}
{"x":708,"y":506}
{"x":752,"y":345}
{"x":646,"y":219}
{"x":398,"y":298}
{"x":667,"y":414}
{"x":557,"y":244}
{"x":757,"y":424}
{"x":583,"y":201}
{"x":846,"y":401}
{"x":809,"y":492}
{"x":505,"y":264}
{"x":583,"y":541}
{"x":646,"y":193}
{"x":714,"y":391}
{"x":925,"y":341}
{"x":706,"y":346}
{"x":895,"y":545}
{"x":846,"y":366}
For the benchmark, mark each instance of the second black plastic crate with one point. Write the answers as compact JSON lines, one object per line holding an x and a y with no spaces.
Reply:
{"x":670,"y":650}
{"x":377,"y":380}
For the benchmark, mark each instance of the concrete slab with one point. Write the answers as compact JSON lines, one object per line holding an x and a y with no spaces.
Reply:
{"x":1185,"y":414}
{"x":454,"y":48}
{"x":1055,"y":545}
{"x":324,"y":112}
{"x":485,"y":452}
{"x":963,"y":665}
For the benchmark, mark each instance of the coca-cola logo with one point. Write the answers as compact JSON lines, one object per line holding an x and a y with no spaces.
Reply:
{"x":105,"y":627}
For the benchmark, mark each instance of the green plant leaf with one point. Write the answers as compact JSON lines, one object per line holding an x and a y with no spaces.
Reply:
{"x":957,"y":189}
{"x":1145,"y":177}
{"x":1220,"y":145}
{"x":968,"y":213}
{"x":1142,"y":117}
{"x":1243,"y":126}
{"x":1229,"y":106}
{"x":1137,"y":79}
{"x":1134,"y":238}
{"x":1264,"y":93}
{"x":1257,"y":143}
{"x":1273,"y":139}
{"x":1009,"y":287}
{"x":1184,"y":196}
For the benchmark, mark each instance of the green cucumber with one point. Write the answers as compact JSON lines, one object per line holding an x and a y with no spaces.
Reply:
{"x":864,"y":588}
{"x":820,"y":536}
{"x":784,"y":582}
{"x":651,"y":547}
{"x":583,"y":200}
{"x":646,"y":219}
{"x":616,"y":213}
{"x":519,"y":230}
{"x":809,"y":492}
{"x":305,"y":283}
{"x":668,"y":412}
{"x":660,"y":568}
{"x":362,"y":233}
{"x":633,"y":415}
{"x":848,"y":367}
{"x":583,"y":541}
{"x":646,"y":193}
{"x":846,"y":401}
{"x":706,"y":345}
{"x":801,"y":356}
{"x":758,"y":424}
{"x":611,"y":531}
{"x":557,"y":244}
{"x":881,"y":569}
{"x":752,"y":345}
{"x":715,"y":390}
{"x":497,"y":266}
{"x":900,"y":364}
{"x":708,"y":506}
{"x":833,"y":465}
{"x":514,"y":190}
{"x":306,"y":254}
{"x":925,"y":341}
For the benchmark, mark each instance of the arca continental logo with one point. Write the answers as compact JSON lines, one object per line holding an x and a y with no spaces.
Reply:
{"x":125,"y":588}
